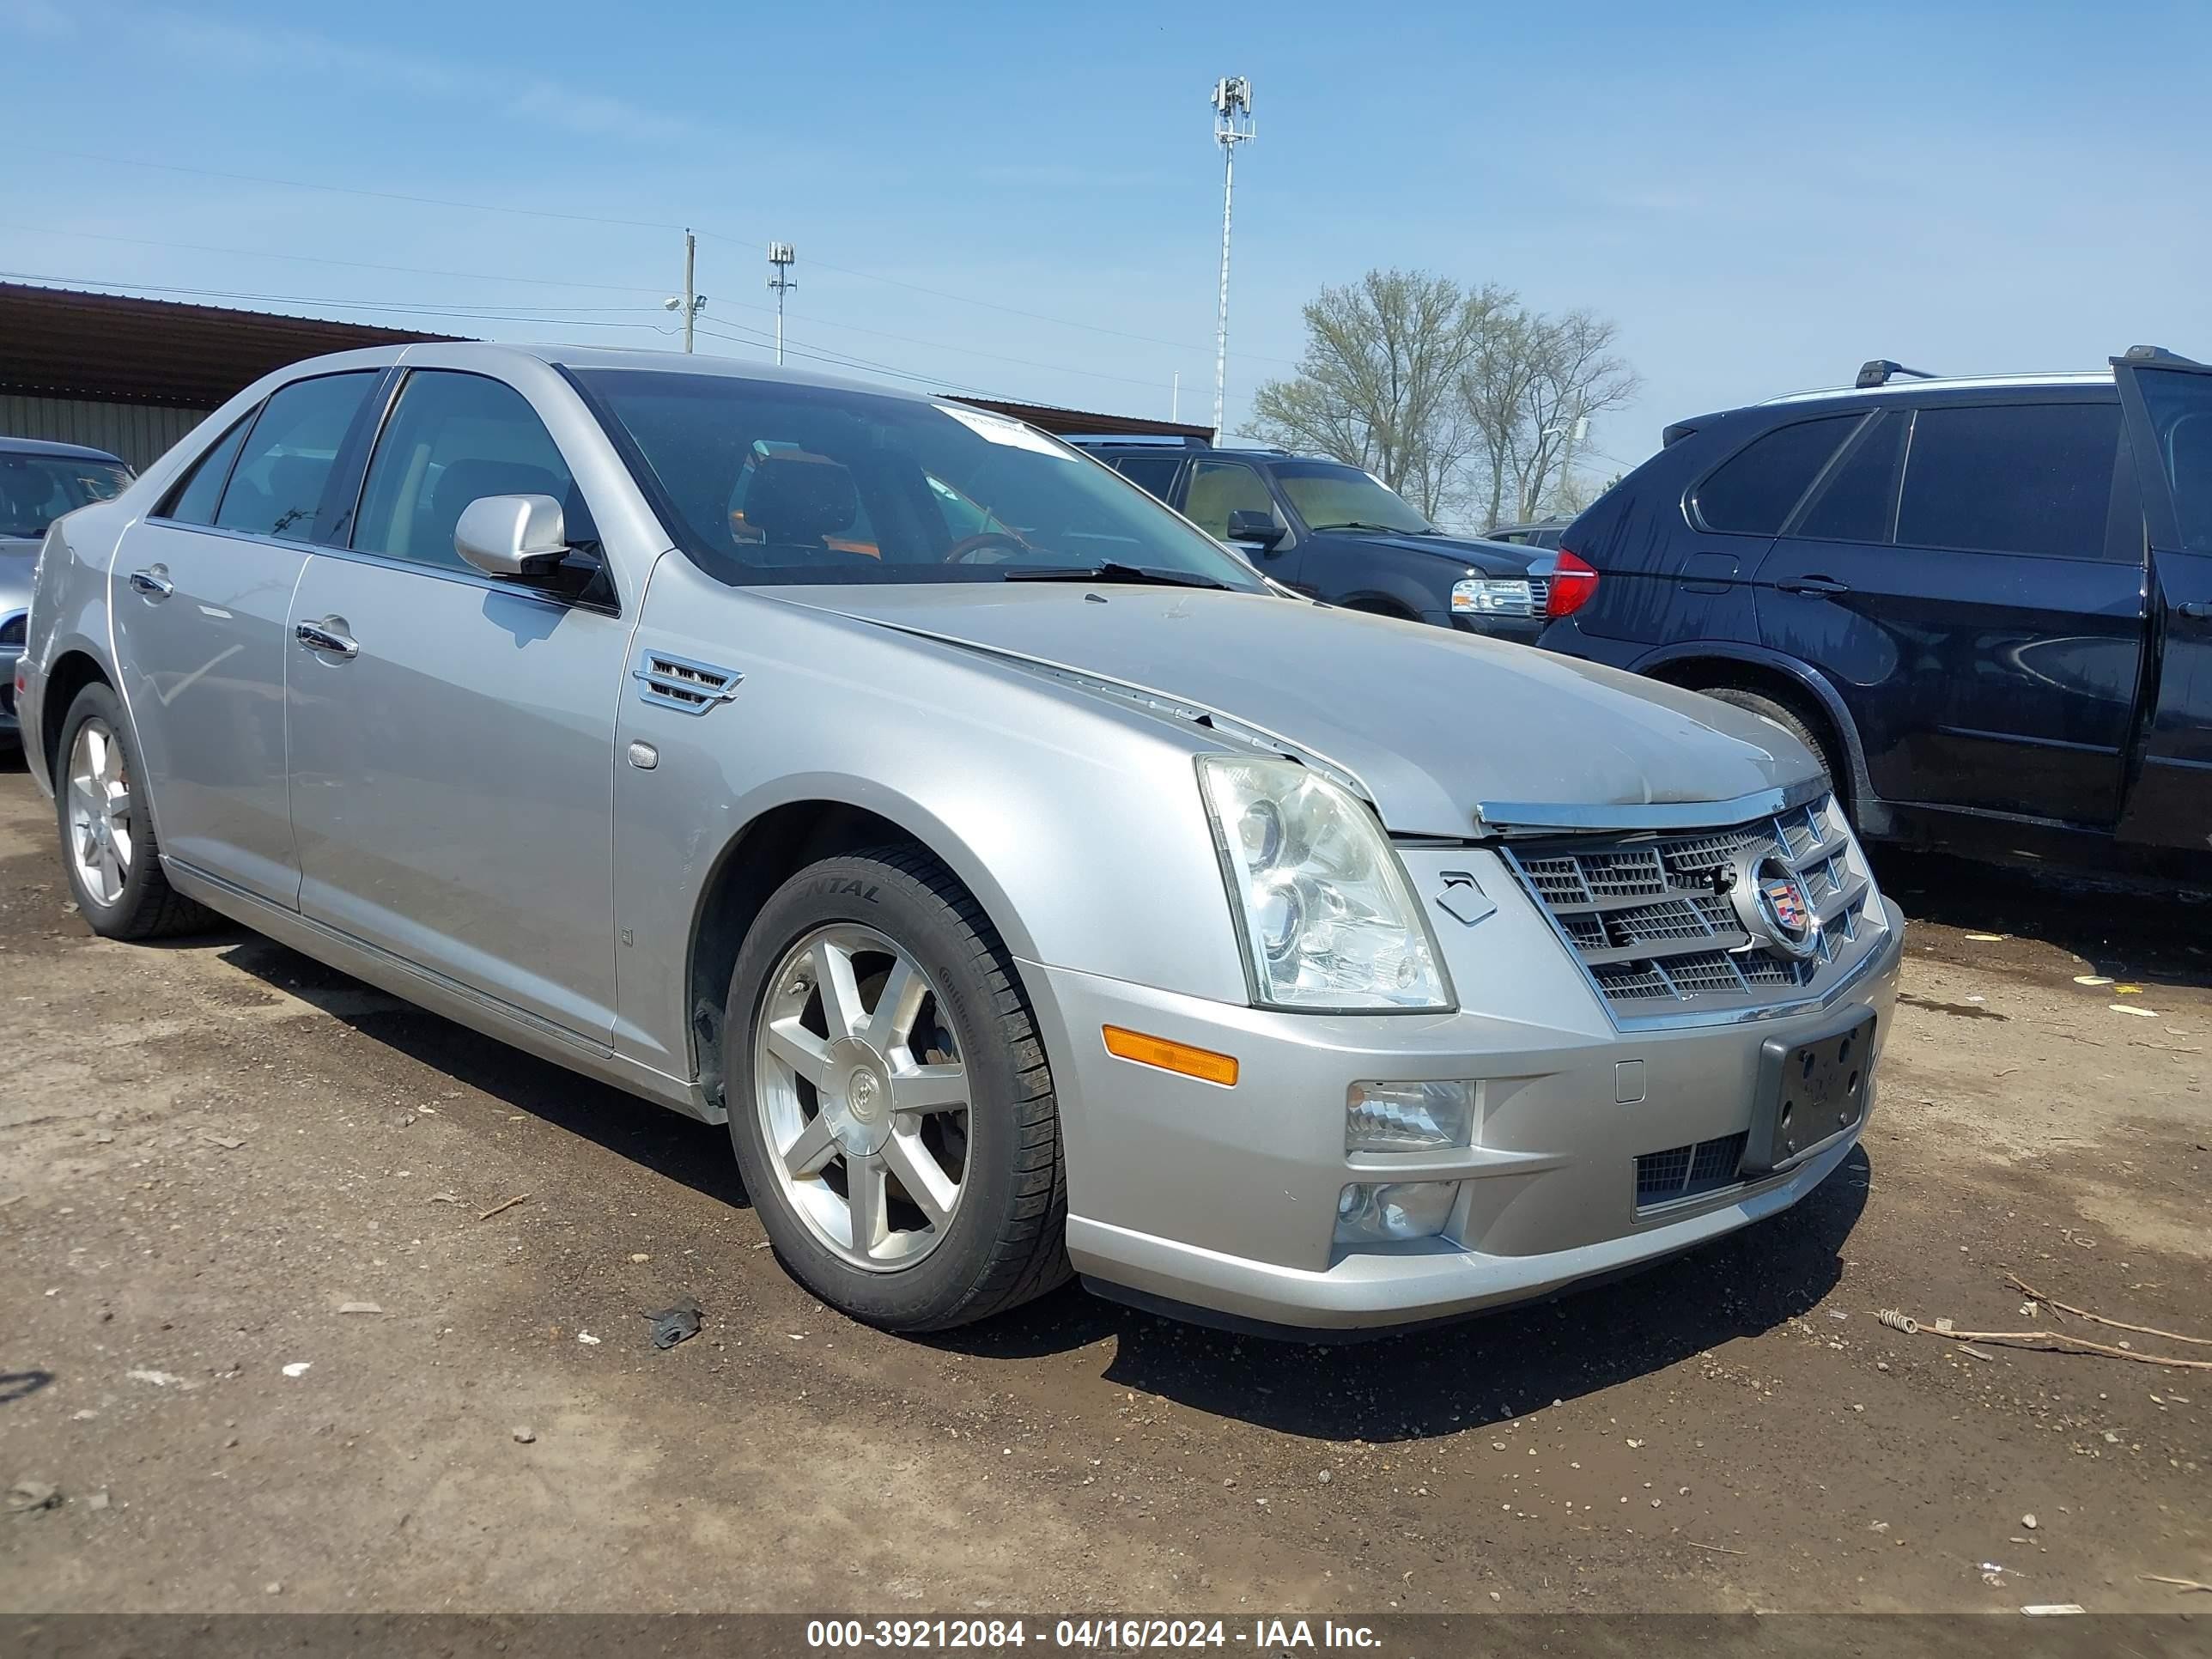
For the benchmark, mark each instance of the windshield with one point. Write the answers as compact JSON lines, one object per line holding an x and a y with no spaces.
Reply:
{"x":1330,"y":495}
{"x":36,"y":489}
{"x":768,"y":482}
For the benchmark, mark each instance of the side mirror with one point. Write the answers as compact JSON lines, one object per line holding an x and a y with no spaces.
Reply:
{"x":514,"y":538}
{"x":1251,"y":526}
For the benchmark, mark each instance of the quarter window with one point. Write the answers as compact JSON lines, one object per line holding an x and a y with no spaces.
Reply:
{"x":195,"y":500}
{"x":1754,"y":493}
{"x":277,"y":487}
{"x":2180,"y":404}
{"x":2015,"y":478}
{"x":1218,"y":489}
{"x":452,"y":439}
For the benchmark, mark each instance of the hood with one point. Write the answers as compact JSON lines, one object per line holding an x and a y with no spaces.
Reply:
{"x":1492,"y":558}
{"x":1435,"y":725}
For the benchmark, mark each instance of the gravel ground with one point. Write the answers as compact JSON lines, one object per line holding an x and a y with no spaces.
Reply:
{"x":210,"y":1152}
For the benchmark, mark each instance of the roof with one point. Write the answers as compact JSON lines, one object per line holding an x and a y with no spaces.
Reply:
{"x":113,"y":348}
{"x":110,"y":348}
{"x":64,"y":452}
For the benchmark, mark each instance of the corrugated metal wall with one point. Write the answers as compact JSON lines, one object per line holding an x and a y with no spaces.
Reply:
{"x":139,"y":433}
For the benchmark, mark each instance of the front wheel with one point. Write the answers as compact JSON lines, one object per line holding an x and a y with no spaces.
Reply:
{"x":890,"y":1102}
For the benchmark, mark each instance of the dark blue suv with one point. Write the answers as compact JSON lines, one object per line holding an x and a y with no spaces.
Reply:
{"x":1986,"y":605}
{"x":1338,"y":534}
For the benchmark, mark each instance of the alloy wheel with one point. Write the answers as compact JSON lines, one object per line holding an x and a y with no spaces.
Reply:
{"x":863,"y":1096}
{"x":101,"y":840}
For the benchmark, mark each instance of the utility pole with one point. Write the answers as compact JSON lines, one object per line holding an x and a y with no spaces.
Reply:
{"x":1174,"y":397}
{"x":780,"y":258}
{"x":1232,"y":125}
{"x":693,"y":302}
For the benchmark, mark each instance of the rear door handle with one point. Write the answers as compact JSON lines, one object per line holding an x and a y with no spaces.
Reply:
{"x":2195,"y":610}
{"x":1813,"y":585}
{"x":154,"y":582}
{"x":327,"y":637}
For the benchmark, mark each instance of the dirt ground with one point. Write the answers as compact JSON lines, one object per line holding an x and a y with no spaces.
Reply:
{"x":207,"y":1150}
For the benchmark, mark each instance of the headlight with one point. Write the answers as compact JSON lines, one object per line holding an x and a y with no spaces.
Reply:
{"x":1485,"y":596}
{"x":1328,"y":919}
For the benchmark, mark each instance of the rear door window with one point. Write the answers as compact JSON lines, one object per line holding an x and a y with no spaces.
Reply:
{"x":277,"y":487}
{"x":1155,"y":472}
{"x":1754,"y":491}
{"x":2011,"y":478}
{"x":1858,"y":502}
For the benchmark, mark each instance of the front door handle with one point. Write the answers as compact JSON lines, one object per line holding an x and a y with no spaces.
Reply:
{"x":153,"y":582}
{"x":327,"y":637}
{"x":1813,"y":585}
{"x":2195,"y":610}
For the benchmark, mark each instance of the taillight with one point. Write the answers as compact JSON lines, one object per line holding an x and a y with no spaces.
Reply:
{"x":1572,"y":583}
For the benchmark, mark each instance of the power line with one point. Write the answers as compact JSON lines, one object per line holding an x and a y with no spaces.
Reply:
{"x":316,"y":259}
{"x":839,"y":360}
{"x":345,"y":190}
{"x":478,"y":313}
{"x":633,"y":224}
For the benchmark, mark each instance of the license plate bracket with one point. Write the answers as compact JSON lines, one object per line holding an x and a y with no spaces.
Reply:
{"x":1810,"y":1091}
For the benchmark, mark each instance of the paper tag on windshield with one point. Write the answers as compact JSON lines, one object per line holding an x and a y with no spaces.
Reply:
{"x":1000,"y":430}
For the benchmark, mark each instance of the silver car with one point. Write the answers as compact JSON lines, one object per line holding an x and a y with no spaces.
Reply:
{"x":1031,"y":886}
{"x":39,"y":483}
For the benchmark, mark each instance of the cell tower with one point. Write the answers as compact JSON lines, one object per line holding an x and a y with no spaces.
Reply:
{"x":780,"y":258}
{"x":1232,"y":125}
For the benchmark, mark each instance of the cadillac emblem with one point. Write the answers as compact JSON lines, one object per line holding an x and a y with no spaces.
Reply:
{"x":1774,"y":907}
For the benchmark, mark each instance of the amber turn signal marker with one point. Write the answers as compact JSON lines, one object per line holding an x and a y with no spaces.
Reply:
{"x":1201,"y":1063}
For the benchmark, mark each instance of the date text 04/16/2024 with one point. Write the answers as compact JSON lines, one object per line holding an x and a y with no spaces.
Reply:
{"x":1112,"y":1633}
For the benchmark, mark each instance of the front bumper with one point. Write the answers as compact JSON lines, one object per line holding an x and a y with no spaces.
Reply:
{"x":9,"y":725}
{"x":1225,"y":1199}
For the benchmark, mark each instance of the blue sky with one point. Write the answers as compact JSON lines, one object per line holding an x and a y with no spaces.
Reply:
{"x":1760,"y":197}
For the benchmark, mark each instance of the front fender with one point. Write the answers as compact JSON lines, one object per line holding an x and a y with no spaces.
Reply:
{"x":1076,"y":823}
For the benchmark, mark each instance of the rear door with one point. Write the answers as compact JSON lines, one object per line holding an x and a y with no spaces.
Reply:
{"x":201,"y":588}
{"x":2170,"y":419}
{"x":1969,"y":576}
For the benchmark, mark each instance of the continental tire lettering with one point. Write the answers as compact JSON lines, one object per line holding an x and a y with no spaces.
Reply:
{"x":843,"y":887}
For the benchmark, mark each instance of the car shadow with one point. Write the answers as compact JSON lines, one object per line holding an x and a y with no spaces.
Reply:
{"x":1445,"y":1378}
{"x":681,"y":1149}
{"x":2128,"y":929}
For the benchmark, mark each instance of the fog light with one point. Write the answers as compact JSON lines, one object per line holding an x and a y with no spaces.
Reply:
{"x":1407,"y":1117}
{"x":1377,"y":1213}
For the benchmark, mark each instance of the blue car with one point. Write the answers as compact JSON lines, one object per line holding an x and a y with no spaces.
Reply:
{"x":1984,"y":605}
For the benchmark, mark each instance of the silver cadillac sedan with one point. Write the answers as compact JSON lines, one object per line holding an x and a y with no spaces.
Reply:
{"x":1031,"y":887}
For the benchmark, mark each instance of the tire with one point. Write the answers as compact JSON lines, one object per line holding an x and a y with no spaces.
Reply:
{"x":142,"y":905}
{"x":1002,"y":1240}
{"x":1784,"y":716}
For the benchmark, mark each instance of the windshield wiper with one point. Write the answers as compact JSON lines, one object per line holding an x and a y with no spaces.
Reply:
{"x":1369,"y":524}
{"x":1113,"y":571}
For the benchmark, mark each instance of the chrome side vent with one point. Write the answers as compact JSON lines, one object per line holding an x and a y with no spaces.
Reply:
{"x":688,"y":687}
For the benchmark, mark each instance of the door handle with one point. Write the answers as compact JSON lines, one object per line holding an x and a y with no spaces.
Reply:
{"x":327,"y":637}
{"x":154,"y":582}
{"x":2195,"y":610}
{"x":1813,"y":585}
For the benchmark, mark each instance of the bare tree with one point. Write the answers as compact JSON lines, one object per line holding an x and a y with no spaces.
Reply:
{"x":1460,"y":399}
{"x":1379,"y":384}
{"x":1528,"y":394}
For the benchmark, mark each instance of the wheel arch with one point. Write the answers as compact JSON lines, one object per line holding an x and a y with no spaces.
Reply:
{"x":1804,"y":691}
{"x":816,"y":821}
{"x":74,"y":669}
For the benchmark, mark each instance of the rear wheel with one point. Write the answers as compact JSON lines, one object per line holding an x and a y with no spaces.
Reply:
{"x":108,"y":849}
{"x":890,"y":1102}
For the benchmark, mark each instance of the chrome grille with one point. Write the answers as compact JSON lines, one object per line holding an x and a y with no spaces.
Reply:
{"x":1539,"y":594}
{"x":1659,"y":936}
